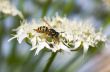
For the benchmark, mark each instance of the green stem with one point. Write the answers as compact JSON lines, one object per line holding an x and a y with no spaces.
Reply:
{"x":46,"y":7}
{"x":51,"y":59}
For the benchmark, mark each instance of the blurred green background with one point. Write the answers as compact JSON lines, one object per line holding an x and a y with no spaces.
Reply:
{"x":16,"y":57}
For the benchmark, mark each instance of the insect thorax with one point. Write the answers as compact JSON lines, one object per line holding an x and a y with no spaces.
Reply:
{"x":53,"y":33}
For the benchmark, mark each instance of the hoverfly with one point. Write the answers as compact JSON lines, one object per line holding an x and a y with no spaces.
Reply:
{"x":49,"y":31}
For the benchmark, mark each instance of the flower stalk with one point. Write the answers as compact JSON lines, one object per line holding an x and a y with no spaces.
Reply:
{"x":50,"y":61}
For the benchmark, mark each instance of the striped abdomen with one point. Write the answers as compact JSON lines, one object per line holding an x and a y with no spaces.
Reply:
{"x":42,"y":29}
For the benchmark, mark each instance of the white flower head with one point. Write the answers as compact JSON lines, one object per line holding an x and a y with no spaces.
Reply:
{"x":77,"y":33}
{"x":67,"y":34}
{"x":85,"y":35}
{"x":38,"y":40}
{"x":7,"y":8}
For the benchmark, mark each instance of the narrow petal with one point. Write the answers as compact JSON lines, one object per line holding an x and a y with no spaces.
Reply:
{"x":38,"y":50}
{"x":12,"y":38}
{"x":40,"y":46}
{"x":34,"y":47}
{"x":54,"y":50}
{"x":20,"y":38}
{"x":77,"y":44}
{"x":46,"y":45}
{"x":33,"y":41}
{"x":86,"y":47}
{"x":63,"y":47}
{"x":21,"y":35}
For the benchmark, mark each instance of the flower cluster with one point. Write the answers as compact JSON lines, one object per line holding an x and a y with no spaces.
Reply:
{"x":72,"y":34}
{"x":85,"y":35}
{"x":38,"y":40}
{"x":7,"y":8}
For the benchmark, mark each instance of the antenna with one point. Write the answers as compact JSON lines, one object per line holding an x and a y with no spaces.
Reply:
{"x":46,"y":22}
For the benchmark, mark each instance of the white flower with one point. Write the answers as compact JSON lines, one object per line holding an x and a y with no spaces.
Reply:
{"x":7,"y":8}
{"x":38,"y":40}
{"x":85,"y":34}
{"x":77,"y":33}
{"x":21,"y":34}
{"x":60,"y":46}
{"x":73,"y":34}
{"x":23,"y":31}
{"x":40,"y":46}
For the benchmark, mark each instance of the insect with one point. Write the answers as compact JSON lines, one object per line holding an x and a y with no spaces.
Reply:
{"x":48,"y":31}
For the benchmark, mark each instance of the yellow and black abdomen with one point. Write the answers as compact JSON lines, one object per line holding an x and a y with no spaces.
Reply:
{"x":42,"y":29}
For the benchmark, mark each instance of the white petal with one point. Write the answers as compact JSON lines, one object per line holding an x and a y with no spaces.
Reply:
{"x":39,"y":39}
{"x":86,"y":47}
{"x":34,"y":47}
{"x":12,"y":38}
{"x":69,"y":36}
{"x":33,"y":41}
{"x":63,"y":47}
{"x":21,"y":37}
{"x":77,"y":44}
{"x":46,"y":45}
{"x":40,"y":46}
{"x":54,"y":50}
{"x":38,"y":50}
